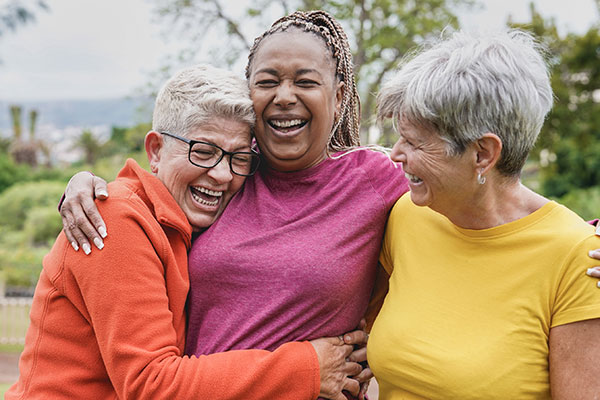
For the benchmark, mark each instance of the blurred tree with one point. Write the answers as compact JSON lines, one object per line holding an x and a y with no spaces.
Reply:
{"x":380,"y":31}
{"x":90,"y":146}
{"x":569,"y":143}
{"x":23,"y":151}
{"x":18,"y":12}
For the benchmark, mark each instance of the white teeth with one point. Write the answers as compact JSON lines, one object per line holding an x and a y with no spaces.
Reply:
{"x":412,"y":178}
{"x":202,"y":201}
{"x":286,"y":123}
{"x":208,"y":191}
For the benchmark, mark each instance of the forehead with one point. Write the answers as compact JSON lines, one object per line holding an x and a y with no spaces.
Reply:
{"x":294,"y":48}
{"x":222,"y":131}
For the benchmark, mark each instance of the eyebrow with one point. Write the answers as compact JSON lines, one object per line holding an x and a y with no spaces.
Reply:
{"x":301,"y":71}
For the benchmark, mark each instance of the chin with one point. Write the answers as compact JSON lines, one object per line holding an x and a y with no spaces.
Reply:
{"x":419,"y":200}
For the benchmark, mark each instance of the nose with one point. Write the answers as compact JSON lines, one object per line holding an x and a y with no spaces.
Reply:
{"x":398,"y":154}
{"x":221,"y":172}
{"x":284,"y":95}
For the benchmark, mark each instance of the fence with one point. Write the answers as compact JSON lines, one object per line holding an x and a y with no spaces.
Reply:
{"x":14,"y":319}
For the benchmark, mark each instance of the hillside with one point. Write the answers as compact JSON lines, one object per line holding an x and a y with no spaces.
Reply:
{"x":79,"y":113}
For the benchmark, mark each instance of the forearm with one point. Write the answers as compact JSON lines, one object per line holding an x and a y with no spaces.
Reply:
{"x":291,"y":371}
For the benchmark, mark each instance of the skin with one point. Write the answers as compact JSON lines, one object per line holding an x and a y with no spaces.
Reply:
{"x":574,"y":366}
{"x":448,"y":185}
{"x":169,"y":161}
{"x":293,"y":79}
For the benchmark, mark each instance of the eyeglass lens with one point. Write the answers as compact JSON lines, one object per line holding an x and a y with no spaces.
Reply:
{"x":207,"y":156}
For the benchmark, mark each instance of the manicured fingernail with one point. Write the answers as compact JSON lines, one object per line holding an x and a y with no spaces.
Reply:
{"x":347,"y":338}
{"x":591,"y":253}
{"x":75,"y":246}
{"x":598,"y":284}
{"x":86,"y":248}
{"x":589,"y":271}
{"x":102,"y":231}
{"x":598,"y":229}
{"x":98,"y":243}
{"x":102,"y":193}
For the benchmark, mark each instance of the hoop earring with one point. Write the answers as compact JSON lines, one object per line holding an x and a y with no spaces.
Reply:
{"x":480,"y":178}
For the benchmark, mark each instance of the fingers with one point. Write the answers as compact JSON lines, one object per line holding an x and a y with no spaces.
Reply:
{"x":352,"y":386}
{"x":594,"y":273}
{"x":77,"y":227}
{"x":364,"y":376}
{"x":93,"y":226}
{"x":364,"y":388}
{"x":100,"y":188}
{"x":359,"y":355}
{"x":357,"y":337}
{"x":595,"y":253}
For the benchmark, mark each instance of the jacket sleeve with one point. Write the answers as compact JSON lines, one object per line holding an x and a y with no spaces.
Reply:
{"x":123,"y":294}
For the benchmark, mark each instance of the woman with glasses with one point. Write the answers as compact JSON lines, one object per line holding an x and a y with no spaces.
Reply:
{"x":112,"y":325}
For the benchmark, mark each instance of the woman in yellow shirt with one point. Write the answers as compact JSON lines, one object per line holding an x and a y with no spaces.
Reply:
{"x":488,"y":296}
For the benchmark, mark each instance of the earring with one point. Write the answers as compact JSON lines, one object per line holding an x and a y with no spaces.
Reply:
{"x":480,"y":178}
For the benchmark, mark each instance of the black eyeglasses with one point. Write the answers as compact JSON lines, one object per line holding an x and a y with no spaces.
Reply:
{"x":208,"y":155}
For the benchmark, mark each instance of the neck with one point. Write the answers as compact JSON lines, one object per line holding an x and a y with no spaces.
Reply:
{"x":495,"y":203}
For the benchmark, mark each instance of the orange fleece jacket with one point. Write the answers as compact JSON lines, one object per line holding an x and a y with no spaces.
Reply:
{"x":112,"y":324}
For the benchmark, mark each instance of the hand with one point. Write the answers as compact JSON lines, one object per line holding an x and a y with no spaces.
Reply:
{"x":80,"y":216}
{"x":335,"y":369}
{"x":595,"y":272}
{"x":359,"y":339}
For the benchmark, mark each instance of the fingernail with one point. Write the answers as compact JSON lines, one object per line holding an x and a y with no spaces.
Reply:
{"x":75,"y":246}
{"x":102,"y":231}
{"x":589,"y":271}
{"x":598,"y":284}
{"x":86,"y":248}
{"x":102,"y":193}
{"x":98,"y":243}
{"x":347,"y":338}
{"x":591,"y":253}
{"x":598,"y":229}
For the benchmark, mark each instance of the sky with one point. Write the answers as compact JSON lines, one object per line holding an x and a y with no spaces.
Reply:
{"x":90,"y":49}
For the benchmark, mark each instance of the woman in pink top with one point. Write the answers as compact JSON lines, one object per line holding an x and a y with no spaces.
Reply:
{"x":294,"y":255}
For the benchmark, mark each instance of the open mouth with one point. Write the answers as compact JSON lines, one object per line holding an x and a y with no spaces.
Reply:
{"x":206,"y":196}
{"x":287,"y":125}
{"x":412,"y":178}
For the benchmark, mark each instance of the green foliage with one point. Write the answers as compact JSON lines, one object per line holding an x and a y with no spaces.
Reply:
{"x":15,"y":13}
{"x":18,"y":200}
{"x":570,"y":135}
{"x":126,"y":140}
{"x":11,"y":173}
{"x":585,"y":202}
{"x":42,"y":225}
{"x":22,"y":265}
{"x":380,"y":31}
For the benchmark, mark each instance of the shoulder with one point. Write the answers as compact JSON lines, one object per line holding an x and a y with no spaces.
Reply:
{"x":384,"y":175}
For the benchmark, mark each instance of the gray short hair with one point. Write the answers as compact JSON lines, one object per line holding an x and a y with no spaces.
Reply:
{"x":198,"y":94}
{"x":467,"y":85}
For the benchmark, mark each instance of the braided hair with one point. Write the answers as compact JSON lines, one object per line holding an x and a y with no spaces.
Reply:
{"x":345,"y":133}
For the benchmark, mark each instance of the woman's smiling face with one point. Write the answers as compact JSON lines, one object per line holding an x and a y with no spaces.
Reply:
{"x":436,"y":179}
{"x":296,"y":95}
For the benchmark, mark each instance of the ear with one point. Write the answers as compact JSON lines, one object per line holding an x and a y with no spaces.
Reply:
{"x":153,"y":144}
{"x":487,"y":150}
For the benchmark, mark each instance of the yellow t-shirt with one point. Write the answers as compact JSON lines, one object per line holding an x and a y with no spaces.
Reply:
{"x":469,"y":312}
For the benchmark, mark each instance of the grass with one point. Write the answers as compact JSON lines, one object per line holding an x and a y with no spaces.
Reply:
{"x":3,"y":388}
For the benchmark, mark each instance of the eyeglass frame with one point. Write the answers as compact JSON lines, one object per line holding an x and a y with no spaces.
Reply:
{"x":224,"y":153}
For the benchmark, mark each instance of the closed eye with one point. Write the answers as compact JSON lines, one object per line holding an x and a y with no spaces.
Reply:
{"x":307,"y":83}
{"x":266,"y":83}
